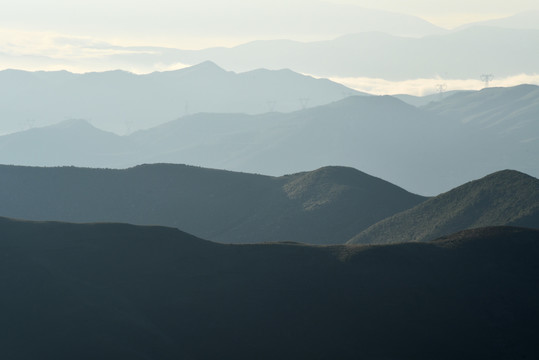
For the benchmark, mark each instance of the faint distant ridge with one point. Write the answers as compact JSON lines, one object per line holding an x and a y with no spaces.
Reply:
{"x":378,"y":54}
{"x":504,"y":198}
{"x":124,"y":102}
{"x":206,"y":66}
{"x":74,"y":141}
{"x":491,"y":106}
{"x":522,"y":20}
{"x":426,"y":99}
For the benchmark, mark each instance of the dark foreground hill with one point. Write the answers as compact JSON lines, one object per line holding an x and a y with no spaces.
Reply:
{"x":113,"y":291}
{"x":325,"y":206}
{"x":503,"y":198}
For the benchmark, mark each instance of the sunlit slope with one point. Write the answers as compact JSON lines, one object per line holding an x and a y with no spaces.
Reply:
{"x":503,"y":198}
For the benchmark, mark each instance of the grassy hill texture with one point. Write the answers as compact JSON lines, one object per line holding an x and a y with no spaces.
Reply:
{"x":325,"y":206}
{"x":114,"y":291}
{"x":503,"y":198}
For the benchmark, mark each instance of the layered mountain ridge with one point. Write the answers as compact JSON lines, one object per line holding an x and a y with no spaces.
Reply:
{"x":468,"y":135}
{"x":124,"y":102}
{"x":325,"y":206}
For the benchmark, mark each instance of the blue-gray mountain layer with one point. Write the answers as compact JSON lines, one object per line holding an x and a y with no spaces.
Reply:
{"x":123,"y":102}
{"x":426,"y":150}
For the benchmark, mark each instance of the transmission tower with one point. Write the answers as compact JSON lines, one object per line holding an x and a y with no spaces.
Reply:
{"x":30,"y":123}
{"x":487,"y":78}
{"x":271,"y":105}
{"x":304,"y":101}
{"x":346,"y":93}
{"x":128,"y":127}
{"x":440,"y":88}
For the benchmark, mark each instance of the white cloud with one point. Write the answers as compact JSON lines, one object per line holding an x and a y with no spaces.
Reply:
{"x":421,"y":87}
{"x":50,"y":51}
{"x":32,"y":50}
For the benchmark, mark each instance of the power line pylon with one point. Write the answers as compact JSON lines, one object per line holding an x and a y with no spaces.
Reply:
{"x":486,"y":78}
{"x":440,"y":88}
{"x":271,"y":105}
{"x":303,"y":101}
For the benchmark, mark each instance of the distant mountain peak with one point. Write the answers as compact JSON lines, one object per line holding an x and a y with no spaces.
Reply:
{"x":506,"y":173}
{"x":207,"y":65}
{"x":362,"y":99}
{"x":506,"y":197}
{"x":74,"y":123}
{"x":335,"y":182}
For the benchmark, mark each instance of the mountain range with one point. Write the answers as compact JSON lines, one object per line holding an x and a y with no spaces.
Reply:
{"x":419,"y":101}
{"x":368,"y":48}
{"x":123,"y":102}
{"x":119,"y":291}
{"x":468,"y":135}
{"x":523,"y":20}
{"x":325,"y":206}
{"x":330,"y":205}
{"x":376,"y":54}
{"x":503,"y":198}
{"x":177,"y":215}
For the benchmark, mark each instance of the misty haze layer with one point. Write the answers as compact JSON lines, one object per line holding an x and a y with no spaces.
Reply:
{"x":426,"y":150}
{"x":123,"y":102}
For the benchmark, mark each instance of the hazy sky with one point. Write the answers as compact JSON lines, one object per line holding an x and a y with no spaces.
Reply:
{"x":67,"y":34}
{"x":450,"y":14}
{"x":213,"y":22}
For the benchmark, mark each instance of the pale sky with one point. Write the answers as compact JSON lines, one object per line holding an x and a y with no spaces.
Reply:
{"x":216,"y":22}
{"x":450,"y":14}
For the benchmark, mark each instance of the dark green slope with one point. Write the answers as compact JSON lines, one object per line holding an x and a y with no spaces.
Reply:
{"x":341,"y":199}
{"x":325,"y":206}
{"x":504,"y":198}
{"x":114,"y":291}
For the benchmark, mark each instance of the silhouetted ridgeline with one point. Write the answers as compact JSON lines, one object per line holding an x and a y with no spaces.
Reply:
{"x":325,"y":206}
{"x":503,"y":198}
{"x":113,"y":291}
